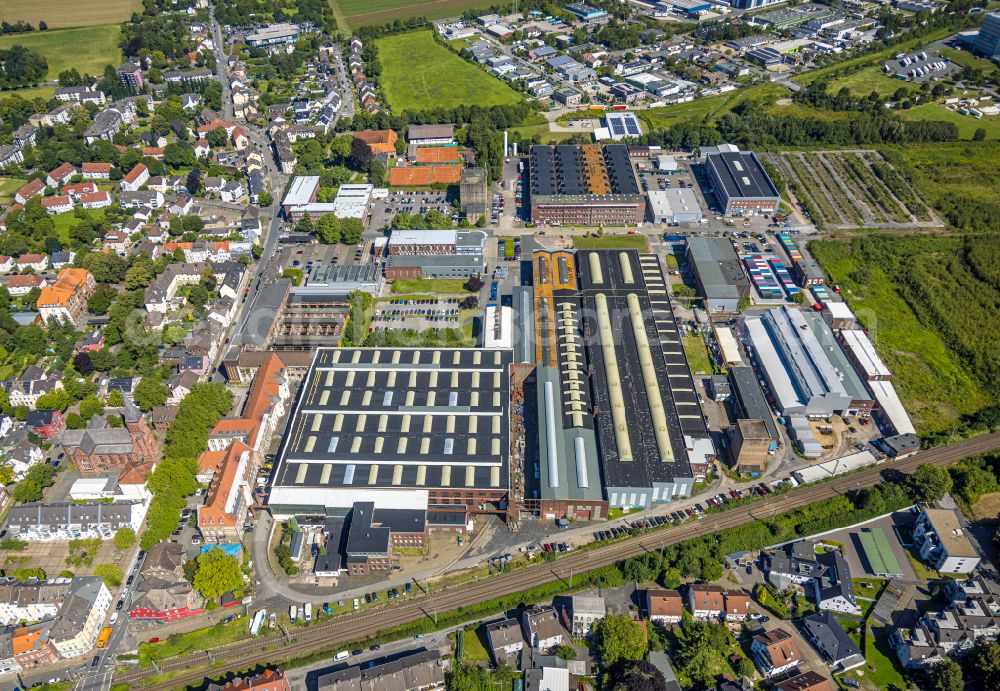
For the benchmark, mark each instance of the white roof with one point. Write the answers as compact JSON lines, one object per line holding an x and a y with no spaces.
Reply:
{"x":837,"y":466}
{"x":892,"y":407}
{"x":728,"y":345}
{"x":89,"y":485}
{"x":301,"y":190}
{"x":423,"y":237}
{"x":504,"y":337}
{"x":672,"y":201}
{"x":554,"y":679}
{"x":352,"y":201}
{"x":864,"y":353}
{"x":404,"y":498}
{"x":781,"y":383}
{"x":839,"y":310}
{"x":664,"y":162}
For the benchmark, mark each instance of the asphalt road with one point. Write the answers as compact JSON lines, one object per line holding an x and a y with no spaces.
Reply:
{"x":345,"y":629}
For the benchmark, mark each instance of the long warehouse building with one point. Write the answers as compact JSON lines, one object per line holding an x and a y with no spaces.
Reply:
{"x":414,"y":428}
{"x":610,"y":434}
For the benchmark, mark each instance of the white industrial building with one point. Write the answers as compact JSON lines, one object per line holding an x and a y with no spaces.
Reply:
{"x":498,"y":328}
{"x":352,"y":201}
{"x":838,"y":466}
{"x":802,"y":378}
{"x":621,"y":125}
{"x":674,"y":205}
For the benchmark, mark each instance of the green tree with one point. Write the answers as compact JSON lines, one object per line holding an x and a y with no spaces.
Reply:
{"x":34,"y":482}
{"x":101,"y":300}
{"x":619,"y":639}
{"x":115,"y":399}
{"x":124,"y":538}
{"x":198,"y":296}
{"x":979,"y":135}
{"x":351,"y":230}
{"x":91,"y":406}
{"x":929,"y":483}
{"x":945,"y":676}
{"x":6,"y":475}
{"x":265,"y":199}
{"x":111,"y":574}
{"x":150,"y":393}
{"x":139,"y":276}
{"x":217,"y":573}
{"x":744,"y":667}
{"x":75,"y":421}
{"x":328,"y":229}
{"x":985,"y":659}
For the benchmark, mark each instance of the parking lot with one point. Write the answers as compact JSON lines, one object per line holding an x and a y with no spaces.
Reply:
{"x":419,"y":314}
{"x":411,"y":202}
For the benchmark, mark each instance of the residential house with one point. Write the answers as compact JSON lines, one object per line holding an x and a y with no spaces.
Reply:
{"x":95,"y":200}
{"x":117,"y":241}
{"x":106,"y":125}
{"x":6,"y":263}
{"x":775,"y":652}
{"x":22,"y":456}
{"x":60,"y":204}
{"x":506,"y":642}
{"x":232,"y":192}
{"x":134,"y":200}
{"x":202,"y":148}
{"x":825,"y":633}
{"x":47,"y":424}
{"x":162,"y":593}
{"x":77,"y":190}
{"x":268,"y":680}
{"x":31,"y":383}
{"x":585,"y":611}
{"x":833,"y":589}
{"x":95,"y":171}
{"x":24,"y":284}
{"x":808,"y":681}
{"x":28,"y":190}
{"x":542,"y":629}
{"x":664,"y":606}
{"x":710,"y":602}
{"x":135,"y":178}
{"x":10,"y":156}
{"x":60,"y":175}
{"x":794,"y":564}
{"x":31,"y":601}
{"x":24,"y":135}
{"x":80,"y":617}
{"x":31,"y":645}
{"x":942,"y":543}
{"x":66,"y":299}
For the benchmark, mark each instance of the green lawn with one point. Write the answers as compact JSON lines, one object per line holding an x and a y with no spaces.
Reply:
{"x":8,"y":186}
{"x":357,"y":13}
{"x":614,"y":242}
{"x":200,"y":639}
{"x":881,"y":672}
{"x":711,"y":108}
{"x":88,"y":49}
{"x":63,"y":222}
{"x":697,"y":354}
{"x":872,"y":78}
{"x":967,"y":125}
{"x":449,"y":286}
{"x":420,"y":74}
{"x":537,"y":124}
{"x":964,"y":58}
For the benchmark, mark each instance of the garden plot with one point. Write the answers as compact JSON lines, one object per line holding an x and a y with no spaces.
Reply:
{"x":850,"y":189}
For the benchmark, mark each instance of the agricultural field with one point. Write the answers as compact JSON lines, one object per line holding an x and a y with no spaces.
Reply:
{"x":59,"y":14}
{"x":88,"y":49}
{"x":420,"y":74}
{"x":928,"y":304}
{"x":357,"y":13}
{"x":850,"y":189}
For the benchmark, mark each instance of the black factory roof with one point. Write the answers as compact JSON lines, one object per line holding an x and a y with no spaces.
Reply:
{"x":742,"y":175}
{"x":400,"y":417}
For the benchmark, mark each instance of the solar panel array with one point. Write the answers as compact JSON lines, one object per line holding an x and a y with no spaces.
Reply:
{"x":617,"y":127}
{"x":632,"y":126}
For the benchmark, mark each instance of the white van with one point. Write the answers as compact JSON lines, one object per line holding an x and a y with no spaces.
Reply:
{"x":342,"y":655}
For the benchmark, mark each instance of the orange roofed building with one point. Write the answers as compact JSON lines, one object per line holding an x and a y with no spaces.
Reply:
{"x":235,"y":449}
{"x":31,"y":646}
{"x":268,"y":680}
{"x":378,"y":141}
{"x":66,"y":299}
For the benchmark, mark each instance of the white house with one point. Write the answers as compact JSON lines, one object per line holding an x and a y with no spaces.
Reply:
{"x":80,"y":617}
{"x":942,"y":543}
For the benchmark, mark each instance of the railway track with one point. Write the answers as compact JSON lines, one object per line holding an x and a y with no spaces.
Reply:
{"x":353,"y":627}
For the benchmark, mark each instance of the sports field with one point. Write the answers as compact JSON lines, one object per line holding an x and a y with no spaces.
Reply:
{"x":367,"y":12}
{"x":87,"y":49}
{"x":58,"y":14}
{"x":419,"y":74}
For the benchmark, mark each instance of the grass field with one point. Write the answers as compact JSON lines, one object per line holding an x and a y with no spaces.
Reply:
{"x":88,"y":50}
{"x":59,"y":14}
{"x":987,"y":508}
{"x":419,"y":74}
{"x":357,"y":13}
{"x":967,"y":170}
{"x":966,"y":59}
{"x":932,"y":380}
{"x":967,"y":125}
{"x":447,"y":286}
{"x":8,"y":186}
{"x":697,"y":355}
{"x":711,"y":108}
{"x":872,"y":78}
{"x":615,"y":242}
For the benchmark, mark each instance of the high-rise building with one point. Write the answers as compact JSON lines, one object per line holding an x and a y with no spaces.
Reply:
{"x":131,"y":75}
{"x":987,"y":42}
